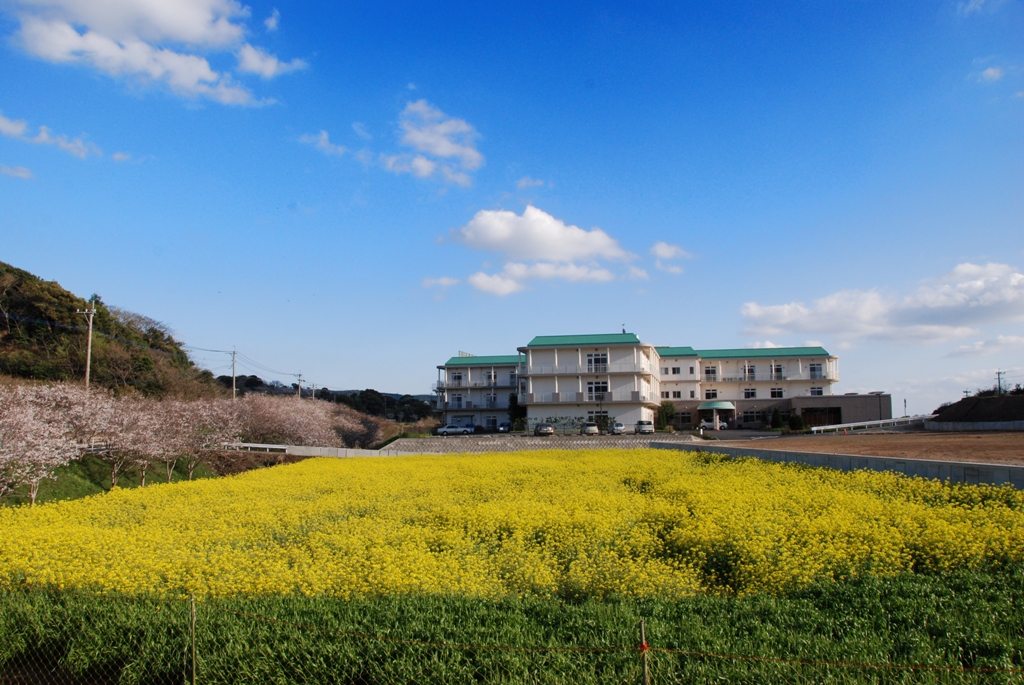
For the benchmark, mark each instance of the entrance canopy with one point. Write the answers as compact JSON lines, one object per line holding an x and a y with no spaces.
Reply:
{"x":716,"y":405}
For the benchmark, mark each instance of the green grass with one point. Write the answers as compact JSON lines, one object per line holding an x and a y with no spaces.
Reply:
{"x":964,"y":619}
{"x":90,"y":475}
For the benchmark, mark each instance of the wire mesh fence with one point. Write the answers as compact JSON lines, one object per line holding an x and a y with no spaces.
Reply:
{"x":69,"y":638}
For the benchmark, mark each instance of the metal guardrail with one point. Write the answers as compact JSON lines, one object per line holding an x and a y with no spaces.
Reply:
{"x":902,"y":421}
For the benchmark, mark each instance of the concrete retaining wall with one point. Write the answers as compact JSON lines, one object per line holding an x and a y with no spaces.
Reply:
{"x":955,"y":471}
{"x":340,"y":452}
{"x":968,"y":426}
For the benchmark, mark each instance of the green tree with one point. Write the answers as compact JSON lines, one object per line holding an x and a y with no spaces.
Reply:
{"x":776,"y":418}
{"x":516,"y":412}
{"x":665,"y":413}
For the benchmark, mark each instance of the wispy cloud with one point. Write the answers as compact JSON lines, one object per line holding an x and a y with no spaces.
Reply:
{"x":253,"y":60}
{"x":664,"y":252}
{"x":273,"y":20}
{"x":16,"y":172}
{"x":75,"y":146}
{"x":361,"y":131}
{"x":991,"y":75}
{"x":121,"y":157}
{"x":1001,"y":343}
{"x":443,"y":146}
{"x":322,"y":142}
{"x":527,"y":182}
{"x":944,"y":308}
{"x":441,"y":282}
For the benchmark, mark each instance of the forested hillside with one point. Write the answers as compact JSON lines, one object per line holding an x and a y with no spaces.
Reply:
{"x":42,"y":338}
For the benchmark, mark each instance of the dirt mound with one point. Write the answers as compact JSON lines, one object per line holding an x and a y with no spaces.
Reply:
{"x":1006,"y":408}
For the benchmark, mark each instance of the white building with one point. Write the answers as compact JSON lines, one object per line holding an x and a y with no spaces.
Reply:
{"x":574,"y":378}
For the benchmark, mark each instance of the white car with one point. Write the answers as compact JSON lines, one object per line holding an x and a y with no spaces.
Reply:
{"x":590,"y":428}
{"x":452,"y":429}
{"x":644,"y":427}
{"x":617,"y":429}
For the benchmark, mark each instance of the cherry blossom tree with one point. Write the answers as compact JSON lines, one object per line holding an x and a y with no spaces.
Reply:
{"x":36,"y":437}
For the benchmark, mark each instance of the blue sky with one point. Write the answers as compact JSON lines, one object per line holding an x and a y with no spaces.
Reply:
{"x":360,"y":192}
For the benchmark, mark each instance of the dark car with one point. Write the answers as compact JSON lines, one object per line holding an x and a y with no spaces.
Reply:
{"x":544,"y":429}
{"x":504,"y":427}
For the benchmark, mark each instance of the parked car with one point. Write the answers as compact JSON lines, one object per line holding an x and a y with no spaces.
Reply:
{"x":616,"y":429}
{"x":590,"y":428}
{"x":505,"y":427}
{"x":452,"y":429}
{"x":707,"y":425}
{"x":544,"y":429}
{"x":645,"y":426}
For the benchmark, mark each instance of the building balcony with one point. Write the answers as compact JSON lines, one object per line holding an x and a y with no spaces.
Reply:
{"x":581,"y":369}
{"x":445,"y":385}
{"x":585,"y":397}
{"x":771,"y":378}
{"x":470,"y":405}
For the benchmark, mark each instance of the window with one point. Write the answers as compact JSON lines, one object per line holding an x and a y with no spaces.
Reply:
{"x":457,"y":379}
{"x":491,"y":422}
{"x":676,"y":370}
{"x":664,"y":371}
{"x":490,"y":376}
{"x":815,"y":370}
{"x":750,"y":393}
{"x":817,"y":391}
{"x":491,"y":401}
{"x":710,"y":373}
{"x":749,"y":416}
{"x":664,"y":394}
{"x":749,"y":372}
{"x":776,"y":393}
{"x":711,"y":394}
{"x":677,"y":394}
{"x":597,"y":362}
{"x":684,"y":417}
{"x":777,"y":372}
{"x":596,"y":391}
{"x":691,"y":370}
{"x":456,"y":401}
{"x":693,"y":394}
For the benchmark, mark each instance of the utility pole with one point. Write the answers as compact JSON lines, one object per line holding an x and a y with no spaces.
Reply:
{"x":904,"y":408}
{"x":967,"y":393}
{"x":298,"y":394}
{"x":999,"y":382}
{"x":90,"y":312}
{"x":234,"y":353}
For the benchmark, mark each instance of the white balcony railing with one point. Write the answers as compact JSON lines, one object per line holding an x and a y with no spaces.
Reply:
{"x":584,"y":397}
{"x":581,"y":369}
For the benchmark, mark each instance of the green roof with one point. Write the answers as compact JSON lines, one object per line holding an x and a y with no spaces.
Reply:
{"x":764,"y":353}
{"x":676,"y":351}
{"x":584,"y":340}
{"x":716,"y":405}
{"x":493,"y":360}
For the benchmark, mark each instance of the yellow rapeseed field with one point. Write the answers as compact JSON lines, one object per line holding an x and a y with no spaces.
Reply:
{"x":585,"y":523}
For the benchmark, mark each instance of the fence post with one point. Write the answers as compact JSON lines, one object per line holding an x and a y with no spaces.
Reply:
{"x":192,"y":636}
{"x":643,"y":654}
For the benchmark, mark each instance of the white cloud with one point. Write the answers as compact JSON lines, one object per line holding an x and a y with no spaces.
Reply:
{"x":121,"y":156}
{"x":940,"y":309}
{"x":766,"y":344}
{"x":495,"y":285}
{"x":443,"y":145}
{"x":146,"y":40}
{"x":272,"y":21}
{"x":14,"y":129}
{"x":663,"y":250}
{"x":536,"y":235}
{"x":361,"y":131}
{"x":635,"y":273}
{"x":992,"y":74}
{"x":514,"y":275}
{"x":255,"y":61}
{"x":969,"y":7}
{"x":527,"y":182}
{"x":75,"y":146}
{"x":16,"y":172}
{"x":1001,"y":343}
{"x":321,"y":141}
{"x":442,"y":282}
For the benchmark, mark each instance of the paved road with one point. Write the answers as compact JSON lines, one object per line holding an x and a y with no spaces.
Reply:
{"x":515,"y":443}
